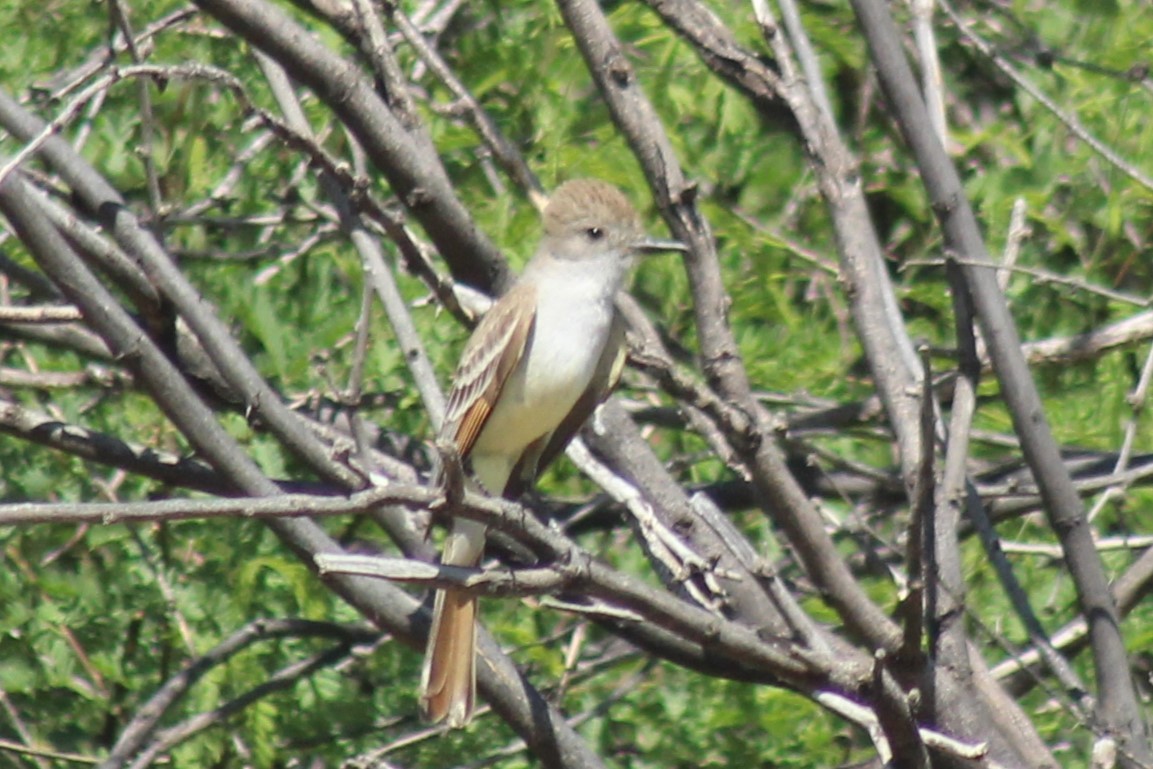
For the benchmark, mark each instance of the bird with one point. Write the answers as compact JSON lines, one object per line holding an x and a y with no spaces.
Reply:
{"x":538,"y":363}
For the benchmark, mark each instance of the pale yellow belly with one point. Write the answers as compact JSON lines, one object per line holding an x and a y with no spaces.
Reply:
{"x":543,"y":390}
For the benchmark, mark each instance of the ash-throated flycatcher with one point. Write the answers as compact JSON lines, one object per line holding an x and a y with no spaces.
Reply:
{"x":539,"y":362}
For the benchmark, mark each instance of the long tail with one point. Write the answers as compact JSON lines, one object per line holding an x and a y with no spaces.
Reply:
{"x":448,"y":680}
{"x":448,"y":683}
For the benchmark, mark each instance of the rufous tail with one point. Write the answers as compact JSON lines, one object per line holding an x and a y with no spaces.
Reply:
{"x":448,"y":681}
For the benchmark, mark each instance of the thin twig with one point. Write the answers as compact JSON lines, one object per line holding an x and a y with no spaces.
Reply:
{"x":38,"y":314}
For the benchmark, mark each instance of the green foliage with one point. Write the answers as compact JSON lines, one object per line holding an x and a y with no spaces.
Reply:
{"x":107,"y":614}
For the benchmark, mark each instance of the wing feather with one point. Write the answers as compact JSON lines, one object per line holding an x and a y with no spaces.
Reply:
{"x":490,"y":356}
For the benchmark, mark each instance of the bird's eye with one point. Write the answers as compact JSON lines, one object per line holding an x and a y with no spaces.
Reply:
{"x":595,"y":233}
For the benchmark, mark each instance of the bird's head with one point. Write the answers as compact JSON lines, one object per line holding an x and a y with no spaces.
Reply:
{"x":588,"y":218}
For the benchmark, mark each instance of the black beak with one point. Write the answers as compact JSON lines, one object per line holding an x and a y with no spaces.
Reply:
{"x":649,"y":245}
